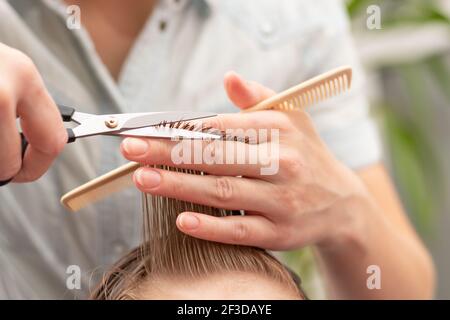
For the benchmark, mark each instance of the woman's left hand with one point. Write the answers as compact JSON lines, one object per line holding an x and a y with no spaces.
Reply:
{"x":310,"y":199}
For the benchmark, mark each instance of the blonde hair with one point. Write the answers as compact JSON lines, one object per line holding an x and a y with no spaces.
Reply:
{"x":165,"y":251}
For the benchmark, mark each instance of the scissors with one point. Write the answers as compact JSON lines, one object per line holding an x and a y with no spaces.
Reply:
{"x":146,"y":125}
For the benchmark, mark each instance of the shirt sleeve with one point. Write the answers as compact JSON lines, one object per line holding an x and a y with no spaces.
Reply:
{"x":343,"y":122}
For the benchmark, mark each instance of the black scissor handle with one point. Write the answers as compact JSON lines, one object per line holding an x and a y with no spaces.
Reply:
{"x":66,"y":112}
{"x":24,"y":144}
{"x":66,"y":115}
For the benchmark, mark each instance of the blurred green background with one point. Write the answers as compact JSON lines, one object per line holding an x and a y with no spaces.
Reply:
{"x":407,"y":63}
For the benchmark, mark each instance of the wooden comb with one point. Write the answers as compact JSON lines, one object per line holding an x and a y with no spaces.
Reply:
{"x":306,"y":94}
{"x":310,"y":92}
{"x":100,"y":187}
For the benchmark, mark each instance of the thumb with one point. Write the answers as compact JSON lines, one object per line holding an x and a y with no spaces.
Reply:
{"x":245,"y":94}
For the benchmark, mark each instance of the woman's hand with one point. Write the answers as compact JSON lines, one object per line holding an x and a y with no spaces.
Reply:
{"x":23,"y":95}
{"x":309,"y":200}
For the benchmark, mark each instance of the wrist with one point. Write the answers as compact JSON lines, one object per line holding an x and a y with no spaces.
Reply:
{"x":352,"y":214}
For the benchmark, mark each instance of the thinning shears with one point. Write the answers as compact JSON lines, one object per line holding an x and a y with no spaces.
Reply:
{"x":148,"y":125}
{"x":145,"y":125}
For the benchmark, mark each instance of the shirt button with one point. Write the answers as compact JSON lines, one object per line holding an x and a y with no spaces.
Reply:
{"x":162,"y":25}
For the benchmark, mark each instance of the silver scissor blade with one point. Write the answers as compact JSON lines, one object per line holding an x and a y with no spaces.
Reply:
{"x":156,"y":118}
{"x":168,"y":133}
{"x":97,"y":124}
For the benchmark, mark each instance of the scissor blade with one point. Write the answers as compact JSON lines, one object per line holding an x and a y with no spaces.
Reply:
{"x":169,"y":133}
{"x":153,"y":119}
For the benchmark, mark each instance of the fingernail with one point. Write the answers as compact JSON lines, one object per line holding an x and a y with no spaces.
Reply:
{"x":148,"y":178}
{"x":135,"y":147}
{"x":188,"y":221}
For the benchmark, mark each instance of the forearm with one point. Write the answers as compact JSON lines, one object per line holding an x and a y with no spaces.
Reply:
{"x":406,"y":269}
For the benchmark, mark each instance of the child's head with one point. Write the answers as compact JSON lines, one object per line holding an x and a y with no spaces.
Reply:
{"x":172,"y":265}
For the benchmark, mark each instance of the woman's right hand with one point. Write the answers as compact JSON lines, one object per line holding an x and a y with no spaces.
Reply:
{"x":23,"y":95}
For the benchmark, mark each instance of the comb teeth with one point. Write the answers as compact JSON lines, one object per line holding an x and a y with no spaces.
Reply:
{"x":316,"y":93}
{"x":309,"y":93}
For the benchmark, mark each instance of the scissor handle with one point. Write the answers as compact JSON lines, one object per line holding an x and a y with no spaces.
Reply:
{"x":66,"y":112}
{"x":66,"y":115}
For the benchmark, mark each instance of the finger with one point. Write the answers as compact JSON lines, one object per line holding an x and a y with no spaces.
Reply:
{"x":252,"y":230}
{"x":229,"y":158}
{"x":245,"y":94}
{"x":10,"y":155}
{"x":231,"y":193}
{"x":34,"y":165}
{"x":43,"y":128}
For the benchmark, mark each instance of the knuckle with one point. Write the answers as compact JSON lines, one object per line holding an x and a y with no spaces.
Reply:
{"x":16,"y":59}
{"x":156,"y":154}
{"x":51,"y":146}
{"x":285,"y":238}
{"x":254,"y":122}
{"x":215,"y":123}
{"x":23,"y":71}
{"x":279,"y":120}
{"x":23,"y":65}
{"x":178,"y":189}
{"x":290,"y":163}
{"x":223,"y":189}
{"x":240,"y":232}
{"x":161,"y":153}
{"x":55,"y":148}
{"x":280,"y":194}
{"x":288,"y":198}
{"x":6,"y":101}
